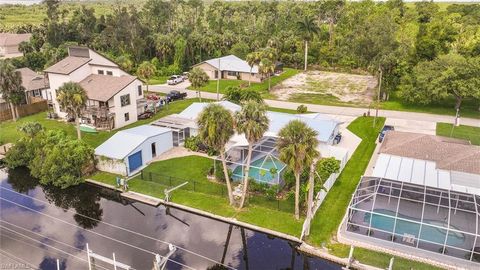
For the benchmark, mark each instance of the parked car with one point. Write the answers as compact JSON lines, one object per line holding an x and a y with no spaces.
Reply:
{"x":174,"y":79}
{"x":145,"y":115}
{"x":337,"y":139}
{"x":384,"y":131}
{"x":175,"y":95}
{"x":185,"y":75}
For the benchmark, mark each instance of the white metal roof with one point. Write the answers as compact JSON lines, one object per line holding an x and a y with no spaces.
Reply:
{"x":323,"y":125}
{"x":232,"y":63}
{"x":125,"y":141}
{"x":423,"y":172}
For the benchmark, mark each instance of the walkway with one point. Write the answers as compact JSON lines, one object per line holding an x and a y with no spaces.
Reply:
{"x":337,"y":110}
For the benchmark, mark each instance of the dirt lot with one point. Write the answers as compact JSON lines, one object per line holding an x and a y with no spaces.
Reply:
{"x":327,"y":87}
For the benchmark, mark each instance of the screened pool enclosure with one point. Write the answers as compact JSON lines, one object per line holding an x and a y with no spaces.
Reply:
{"x":433,"y":219}
{"x":265,"y":167}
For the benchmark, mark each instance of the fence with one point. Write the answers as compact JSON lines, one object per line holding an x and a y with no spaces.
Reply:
{"x":323,"y":193}
{"x":22,"y":110}
{"x":214,"y":189}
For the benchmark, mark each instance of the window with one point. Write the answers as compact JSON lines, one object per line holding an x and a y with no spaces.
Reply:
{"x":232,"y":73}
{"x":37,"y":93}
{"x":102,"y":104}
{"x":125,"y":100}
{"x":100,"y":72}
{"x":109,"y":73}
{"x":127,"y":117}
{"x":140,"y":92}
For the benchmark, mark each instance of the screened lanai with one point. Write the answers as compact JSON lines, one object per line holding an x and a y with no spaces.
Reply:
{"x":438,"y":220}
{"x":265,"y":167}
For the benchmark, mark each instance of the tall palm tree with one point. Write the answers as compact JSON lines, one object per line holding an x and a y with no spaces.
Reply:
{"x":252,"y":59}
{"x":297,"y":145}
{"x":267,"y":68}
{"x":308,"y":29}
{"x":73,"y":99}
{"x":146,"y":71}
{"x":215,"y":128}
{"x":252,"y":121}
{"x":11,"y":86}
{"x":198,"y":78}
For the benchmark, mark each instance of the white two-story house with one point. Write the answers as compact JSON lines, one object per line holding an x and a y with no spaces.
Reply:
{"x":115,"y":98}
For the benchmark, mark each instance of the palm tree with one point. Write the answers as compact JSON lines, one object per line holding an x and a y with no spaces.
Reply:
{"x":73,"y":99}
{"x":11,"y":86}
{"x":146,"y":71}
{"x":267,"y":68}
{"x":252,"y":59}
{"x":297,"y":145}
{"x":252,"y":121}
{"x":308,"y":29}
{"x":215,"y":128}
{"x":198,"y":78}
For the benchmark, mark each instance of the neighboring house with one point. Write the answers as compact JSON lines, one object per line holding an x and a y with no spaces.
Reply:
{"x":265,"y":165}
{"x":130,"y":150}
{"x":115,"y":98}
{"x":231,"y":67}
{"x":423,"y":198}
{"x":9,"y":44}
{"x":36,"y":86}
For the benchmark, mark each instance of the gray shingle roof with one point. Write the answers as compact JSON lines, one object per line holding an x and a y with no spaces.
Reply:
{"x":9,"y":39}
{"x":447,"y":153}
{"x":232,"y":63}
{"x":68,"y":65}
{"x":104,"y":87}
{"x":31,"y":80}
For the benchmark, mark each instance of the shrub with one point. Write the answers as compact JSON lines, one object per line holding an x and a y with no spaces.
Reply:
{"x":53,"y":157}
{"x":219,"y":175}
{"x":302,"y":109}
{"x":192,"y":143}
{"x":271,"y":192}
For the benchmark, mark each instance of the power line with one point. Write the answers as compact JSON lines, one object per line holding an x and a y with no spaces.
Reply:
{"x":44,"y":244}
{"x":99,"y":234}
{"x":13,"y":257}
{"x":128,"y":230}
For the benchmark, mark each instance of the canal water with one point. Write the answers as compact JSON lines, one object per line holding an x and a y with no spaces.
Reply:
{"x":40,"y":224}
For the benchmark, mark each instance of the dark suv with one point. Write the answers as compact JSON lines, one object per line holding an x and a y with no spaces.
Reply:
{"x":174,"y":95}
{"x":384,"y":131}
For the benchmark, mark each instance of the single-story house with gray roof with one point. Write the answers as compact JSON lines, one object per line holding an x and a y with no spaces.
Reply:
{"x":36,"y":85}
{"x":230,"y":67}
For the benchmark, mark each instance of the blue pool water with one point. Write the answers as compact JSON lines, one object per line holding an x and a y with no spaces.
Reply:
{"x":429,"y":233}
{"x":261,"y":175}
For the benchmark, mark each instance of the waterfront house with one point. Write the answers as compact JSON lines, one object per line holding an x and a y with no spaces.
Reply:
{"x":115,"y":98}
{"x":265,"y":165}
{"x":423,"y":198}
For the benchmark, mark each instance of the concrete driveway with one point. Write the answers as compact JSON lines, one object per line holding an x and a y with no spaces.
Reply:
{"x":408,"y":125}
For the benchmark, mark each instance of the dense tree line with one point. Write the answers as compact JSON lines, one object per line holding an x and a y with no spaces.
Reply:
{"x":387,"y":37}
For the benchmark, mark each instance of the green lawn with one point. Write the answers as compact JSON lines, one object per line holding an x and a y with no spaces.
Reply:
{"x":194,"y":168}
{"x":9,"y":132}
{"x":339,"y":196}
{"x":469,"y":133}
{"x":260,"y":87}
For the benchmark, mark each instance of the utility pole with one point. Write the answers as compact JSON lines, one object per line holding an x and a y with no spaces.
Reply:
{"x":218,"y":81}
{"x":378,"y":95}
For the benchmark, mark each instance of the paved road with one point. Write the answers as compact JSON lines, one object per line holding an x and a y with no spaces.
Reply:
{"x":337,"y":110}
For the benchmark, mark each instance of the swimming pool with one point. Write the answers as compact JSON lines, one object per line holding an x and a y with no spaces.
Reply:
{"x":386,"y":221}
{"x":260,"y":170}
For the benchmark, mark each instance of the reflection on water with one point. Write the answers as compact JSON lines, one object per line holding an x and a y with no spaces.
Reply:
{"x":44,"y":223}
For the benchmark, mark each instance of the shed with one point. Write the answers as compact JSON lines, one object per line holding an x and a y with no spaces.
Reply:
{"x":128,"y":151}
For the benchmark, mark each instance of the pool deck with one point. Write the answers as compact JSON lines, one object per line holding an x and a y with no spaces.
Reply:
{"x":410,"y":253}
